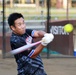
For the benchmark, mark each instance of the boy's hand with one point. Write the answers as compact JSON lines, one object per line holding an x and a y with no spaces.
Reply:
{"x":48,"y":37}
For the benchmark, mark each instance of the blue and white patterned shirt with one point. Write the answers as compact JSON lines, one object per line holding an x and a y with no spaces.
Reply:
{"x":26,"y":65}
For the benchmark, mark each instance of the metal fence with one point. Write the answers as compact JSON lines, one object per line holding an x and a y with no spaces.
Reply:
{"x":37,"y":22}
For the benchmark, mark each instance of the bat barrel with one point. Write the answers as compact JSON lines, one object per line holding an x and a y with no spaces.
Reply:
{"x":23,"y":48}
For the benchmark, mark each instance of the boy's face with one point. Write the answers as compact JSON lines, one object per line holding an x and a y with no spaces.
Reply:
{"x":19,"y":26}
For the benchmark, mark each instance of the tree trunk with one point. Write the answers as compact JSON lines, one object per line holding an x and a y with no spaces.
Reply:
{"x":59,"y":4}
{"x":45,"y":3}
{"x":23,"y":1}
{"x":19,"y":1}
{"x":11,"y":3}
{"x":65,"y":3}
{"x":32,"y":1}
{"x":37,"y":4}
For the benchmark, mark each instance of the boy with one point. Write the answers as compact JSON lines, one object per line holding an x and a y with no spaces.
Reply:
{"x":29,"y":61}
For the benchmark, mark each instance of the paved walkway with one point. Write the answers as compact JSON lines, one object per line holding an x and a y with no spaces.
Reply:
{"x":53,"y":66}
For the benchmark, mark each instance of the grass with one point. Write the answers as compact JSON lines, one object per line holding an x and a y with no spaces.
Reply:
{"x":55,"y":13}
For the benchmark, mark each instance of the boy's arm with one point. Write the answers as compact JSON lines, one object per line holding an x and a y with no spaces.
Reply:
{"x":39,"y":34}
{"x":45,"y":40}
{"x":37,"y":51}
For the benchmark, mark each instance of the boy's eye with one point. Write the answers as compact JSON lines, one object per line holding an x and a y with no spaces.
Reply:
{"x":20,"y":24}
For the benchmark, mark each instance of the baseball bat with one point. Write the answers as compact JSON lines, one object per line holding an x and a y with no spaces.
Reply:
{"x":23,"y":48}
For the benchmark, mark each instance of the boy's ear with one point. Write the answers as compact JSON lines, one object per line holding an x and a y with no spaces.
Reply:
{"x":12,"y":27}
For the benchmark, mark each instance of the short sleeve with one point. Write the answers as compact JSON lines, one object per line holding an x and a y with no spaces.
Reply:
{"x":30,"y":32}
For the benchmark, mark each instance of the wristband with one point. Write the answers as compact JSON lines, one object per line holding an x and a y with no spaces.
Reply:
{"x":31,"y":53}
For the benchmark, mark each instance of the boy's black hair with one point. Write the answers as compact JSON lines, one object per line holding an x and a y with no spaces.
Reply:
{"x":12,"y":17}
